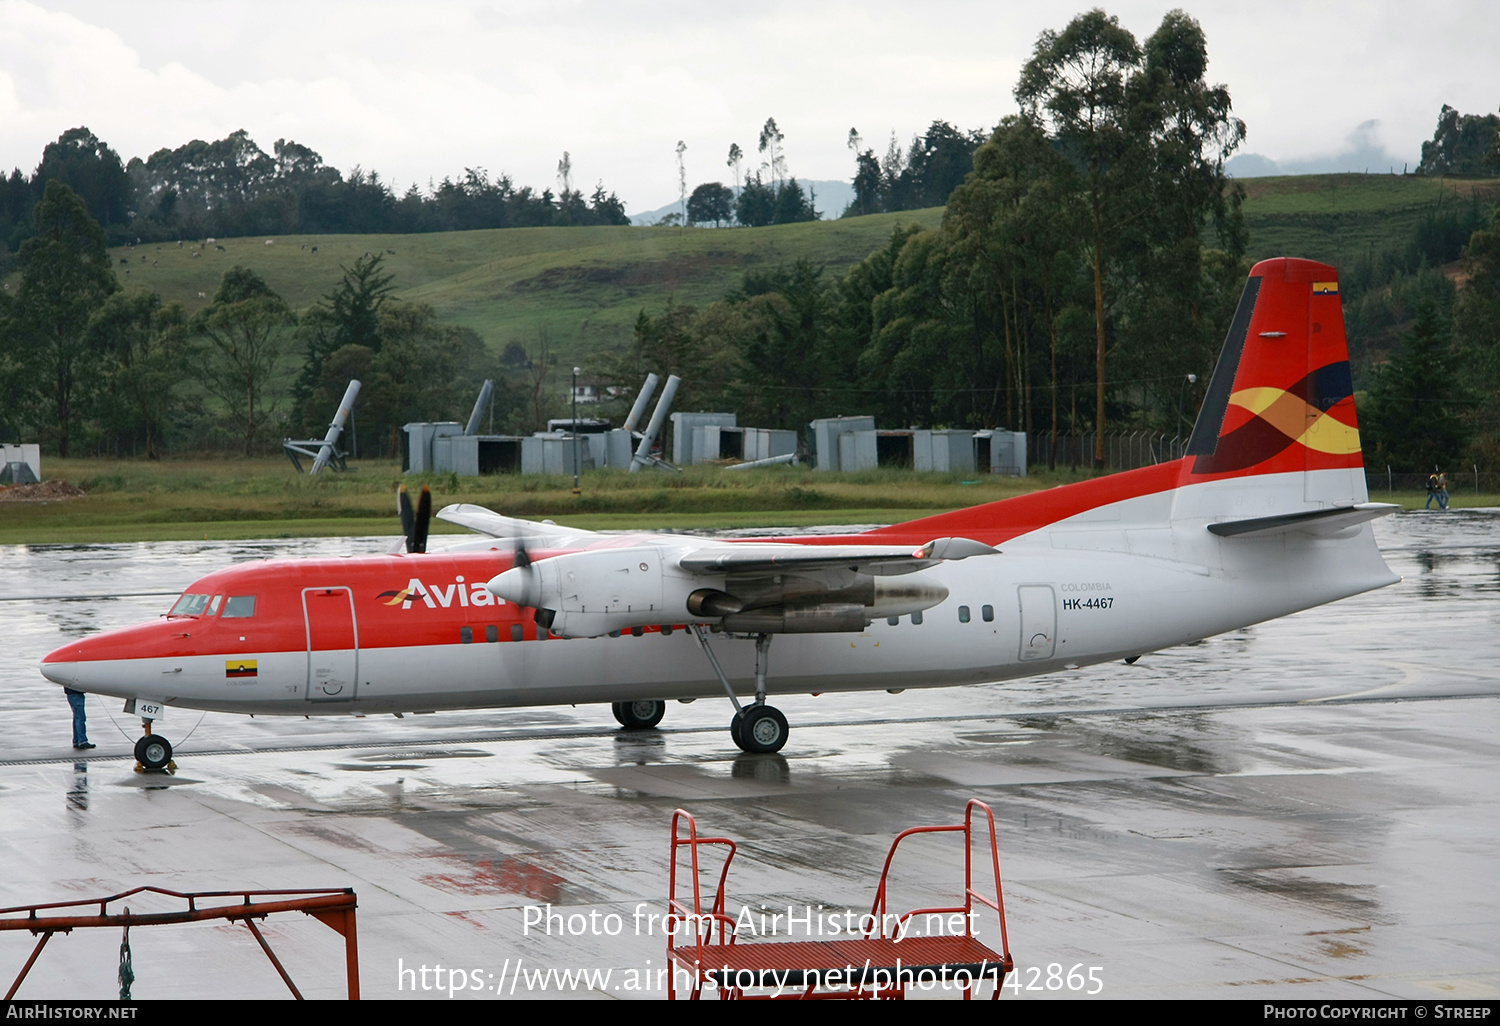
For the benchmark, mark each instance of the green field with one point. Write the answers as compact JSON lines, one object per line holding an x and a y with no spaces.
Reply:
{"x":584,"y":286}
{"x":1338,"y":218}
{"x":229,"y":499}
{"x":266,"y":498}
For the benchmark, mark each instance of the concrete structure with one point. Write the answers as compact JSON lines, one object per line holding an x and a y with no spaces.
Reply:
{"x":826,"y":432}
{"x":421,"y":438}
{"x":20,"y":464}
{"x":948,"y":451}
{"x":554,"y":454}
{"x":854,"y":443}
{"x":685,"y":429}
{"x":711,"y":437}
{"x":1001,"y":452}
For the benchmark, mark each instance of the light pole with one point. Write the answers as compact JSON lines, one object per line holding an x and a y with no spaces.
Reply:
{"x":576,"y":491}
{"x":1191,"y":379}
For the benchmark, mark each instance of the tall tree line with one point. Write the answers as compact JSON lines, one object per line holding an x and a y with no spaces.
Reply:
{"x":88,"y":368}
{"x":232,"y":187}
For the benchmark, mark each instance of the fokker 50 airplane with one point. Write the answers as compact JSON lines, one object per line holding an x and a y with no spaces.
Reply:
{"x":1266,"y":514}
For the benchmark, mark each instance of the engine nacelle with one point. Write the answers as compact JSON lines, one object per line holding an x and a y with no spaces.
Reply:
{"x":589,"y":594}
{"x":600,"y":591}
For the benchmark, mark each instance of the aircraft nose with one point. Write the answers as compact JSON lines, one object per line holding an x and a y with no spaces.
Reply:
{"x":61,"y":667}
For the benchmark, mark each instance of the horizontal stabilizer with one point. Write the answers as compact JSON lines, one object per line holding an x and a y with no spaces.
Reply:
{"x":1316,"y":521}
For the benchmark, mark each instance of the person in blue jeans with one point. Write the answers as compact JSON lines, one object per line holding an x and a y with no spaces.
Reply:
{"x":80,"y":719}
{"x":1433,"y":494}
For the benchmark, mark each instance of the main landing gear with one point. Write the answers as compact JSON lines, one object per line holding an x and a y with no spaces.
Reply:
{"x":638,"y":715}
{"x":757,"y":728}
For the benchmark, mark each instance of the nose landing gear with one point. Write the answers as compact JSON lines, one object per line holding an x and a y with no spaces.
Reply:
{"x":153,"y":753}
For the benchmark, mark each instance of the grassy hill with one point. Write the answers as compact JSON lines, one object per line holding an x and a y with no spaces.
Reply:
{"x":585,"y":286}
{"x":1338,"y":218}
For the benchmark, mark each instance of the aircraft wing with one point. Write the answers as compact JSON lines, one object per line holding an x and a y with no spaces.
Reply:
{"x":541,"y":534}
{"x":741,"y":559}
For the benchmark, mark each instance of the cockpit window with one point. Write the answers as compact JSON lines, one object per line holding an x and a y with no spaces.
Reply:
{"x":190,"y":605}
{"x":239,"y":605}
{"x":213,"y":607}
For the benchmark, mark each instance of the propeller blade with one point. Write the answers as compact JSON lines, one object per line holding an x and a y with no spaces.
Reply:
{"x":423,"y":521}
{"x":408,"y":517}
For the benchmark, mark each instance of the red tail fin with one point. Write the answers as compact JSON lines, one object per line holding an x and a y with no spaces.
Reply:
{"x":1281,"y":398}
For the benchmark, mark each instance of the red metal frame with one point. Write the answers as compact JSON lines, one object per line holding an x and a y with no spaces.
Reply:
{"x":332,"y":908}
{"x":886,"y":962}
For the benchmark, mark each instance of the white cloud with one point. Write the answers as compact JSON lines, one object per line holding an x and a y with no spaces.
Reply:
{"x":420,"y":90}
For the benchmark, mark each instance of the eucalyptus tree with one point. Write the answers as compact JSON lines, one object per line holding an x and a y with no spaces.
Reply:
{"x":143,"y":344}
{"x":65,"y":275}
{"x":1147,"y":137}
{"x":1075,"y":86}
{"x":248,"y":331}
{"x":771,"y":150}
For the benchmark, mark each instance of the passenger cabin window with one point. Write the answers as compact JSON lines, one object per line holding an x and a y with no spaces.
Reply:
{"x":239,"y":605}
{"x":893,"y":620}
{"x":988,"y":612}
{"x":963,"y":614}
{"x":916,"y":617}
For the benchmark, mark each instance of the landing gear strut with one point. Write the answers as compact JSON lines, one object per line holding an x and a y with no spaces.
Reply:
{"x":757,"y":728}
{"x":638,"y":715}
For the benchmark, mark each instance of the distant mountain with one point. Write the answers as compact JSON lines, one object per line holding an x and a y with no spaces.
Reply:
{"x":1362,"y":152}
{"x":829,"y":198}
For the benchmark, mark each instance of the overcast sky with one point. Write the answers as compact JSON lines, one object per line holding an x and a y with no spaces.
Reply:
{"x":421,"y":90}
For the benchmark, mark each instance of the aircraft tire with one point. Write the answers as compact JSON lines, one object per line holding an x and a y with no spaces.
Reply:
{"x":735,"y":735}
{"x":153,"y":752}
{"x":639,"y":715}
{"x":763,"y":729}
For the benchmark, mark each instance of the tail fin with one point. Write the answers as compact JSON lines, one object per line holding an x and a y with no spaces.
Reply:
{"x":1277,"y":434}
{"x":1281,"y":399}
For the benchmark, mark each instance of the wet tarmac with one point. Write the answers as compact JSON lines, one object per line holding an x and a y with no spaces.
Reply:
{"x":1306,"y":809}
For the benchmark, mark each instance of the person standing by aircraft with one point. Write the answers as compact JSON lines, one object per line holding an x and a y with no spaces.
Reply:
{"x":1442,"y":491}
{"x":80,"y":719}
{"x":1432,"y":490}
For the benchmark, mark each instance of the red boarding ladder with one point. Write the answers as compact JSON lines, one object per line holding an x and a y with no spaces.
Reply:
{"x":880,"y":964}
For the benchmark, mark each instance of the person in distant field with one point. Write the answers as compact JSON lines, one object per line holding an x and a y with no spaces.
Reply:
{"x":1442,"y":491}
{"x":80,"y":720}
{"x":1432,"y":491}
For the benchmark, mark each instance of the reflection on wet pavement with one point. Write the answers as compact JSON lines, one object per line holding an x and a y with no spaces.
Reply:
{"x":1305,"y":808}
